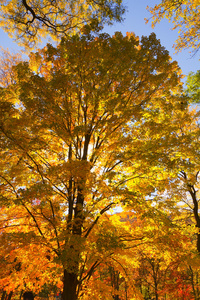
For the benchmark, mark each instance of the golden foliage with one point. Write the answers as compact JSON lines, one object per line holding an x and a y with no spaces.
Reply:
{"x":185,"y":16}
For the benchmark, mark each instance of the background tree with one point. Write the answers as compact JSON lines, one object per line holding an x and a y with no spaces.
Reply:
{"x":193,"y":87}
{"x":156,"y":262}
{"x":29,"y":21}
{"x":185,"y":16}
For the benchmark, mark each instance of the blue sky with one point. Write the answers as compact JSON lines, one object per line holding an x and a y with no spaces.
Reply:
{"x":134,"y":22}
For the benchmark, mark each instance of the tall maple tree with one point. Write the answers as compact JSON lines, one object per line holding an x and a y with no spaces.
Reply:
{"x":85,"y":126}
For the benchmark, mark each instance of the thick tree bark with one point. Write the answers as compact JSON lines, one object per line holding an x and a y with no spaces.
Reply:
{"x":115,"y":282}
{"x":70,"y":280}
{"x":155,"y":268}
{"x":70,"y":286}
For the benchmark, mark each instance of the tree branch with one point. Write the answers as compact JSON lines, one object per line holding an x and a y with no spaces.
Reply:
{"x":97,"y":218}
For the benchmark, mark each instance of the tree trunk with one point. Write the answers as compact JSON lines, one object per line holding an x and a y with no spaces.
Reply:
{"x":3,"y":296}
{"x":193,"y":193}
{"x":70,"y":286}
{"x":70,"y":280}
{"x":9,"y":296}
{"x":198,"y":240}
{"x":70,"y":289}
{"x":115,"y":282}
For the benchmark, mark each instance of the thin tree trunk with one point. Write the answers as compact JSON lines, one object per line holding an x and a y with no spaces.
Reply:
{"x":3,"y":296}
{"x":21,"y":294}
{"x":192,"y":282}
{"x":9,"y":296}
{"x":193,"y":193}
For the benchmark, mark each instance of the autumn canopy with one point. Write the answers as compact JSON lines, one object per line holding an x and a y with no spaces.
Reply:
{"x":99,"y":151}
